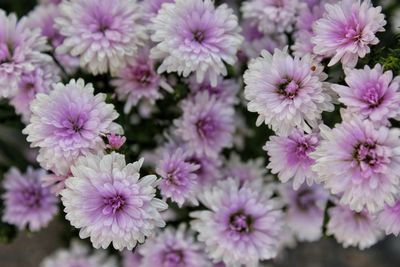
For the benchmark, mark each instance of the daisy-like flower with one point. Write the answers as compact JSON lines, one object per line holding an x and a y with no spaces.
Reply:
{"x":102,"y":33}
{"x":69,"y":122}
{"x":20,"y":49}
{"x":271,"y":16}
{"x":39,"y":80}
{"x":359,"y":163}
{"x":139,"y":80}
{"x":244,"y":171}
{"x":350,"y":228}
{"x":289,"y":157}
{"x":207,"y":124}
{"x":27,"y":203}
{"x":389,"y":219}
{"x":286,"y":92}
{"x":305,"y":211}
{"x":346,"y":31}
{"x":371,"y":94}
{"x":78,"y":255}
{"x":108,"y":200}
{"x":242,"y":225}
{"x":179,"y":178}
{"x":207,"y":38}
{"x":173,"y":248}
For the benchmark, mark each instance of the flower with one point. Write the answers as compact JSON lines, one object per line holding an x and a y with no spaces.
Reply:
{"x":248,"y":171}
{"x":108,"y":200}
{"x":202,"y":44}
{"x":173,"y":248}
{"x":39,"y":80}
{"x":271,"y":16}
{"x":20,"y":49}
{"x":78,"y":255}
{"x":289,"y":157}
{"x":286,"y":92}
{"x":69,"y":122}
{"x":206,"y":125}
{"x":359,"y":163}
{"x":27,"y":203}
{"x":305,"y":212}
{"x":389,"y":219}
{"x":352,"y":228}
{"x":371,"y":94}
{"x":115,"y":141}
{"x":102,"y":33}
{"x":242,"y":224}
{"x":179,"y":178}
{"x":346,"y":31}
{"x":139,"y":80}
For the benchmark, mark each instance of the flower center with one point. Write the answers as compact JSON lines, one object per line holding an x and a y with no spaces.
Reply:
{"x":240,"y":222}
{"x":372,"y":95}
{"x":32,"y":197}
{"x":353,"y":31}
{"x":142,"y":75}
{"x":114,"y":203}
{"x":366,"y":153}
{"x":305,"y":199}
{"x":288,"y":88}
{"x":176,"y":177}
{"x":205,"y":127}
{"x":199,"y":36}
{"x":173,"y":258}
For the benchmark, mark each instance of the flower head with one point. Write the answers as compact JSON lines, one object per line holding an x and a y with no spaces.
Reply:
{"x":108,"y":200}
{"x":371,"y":94}
{"x":359,"y":163}
{"x":346,"y":31}
{"x":202,"y":44}
{"x":242,"y":224}
{"x":67,"y":123}
{"x":389,"y":219}
{"x":27,"y":203}
{"x":115,"y":141}
{"x":286,"y":92}
{"x":102,"y":33}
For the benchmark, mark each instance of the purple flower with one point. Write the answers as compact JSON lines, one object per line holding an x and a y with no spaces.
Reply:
{"x":27,"y":203}
{"x":207,"y":124}
{"x":20,"y":49}
{"x":248,"y":171}
{"x":350,"y":228}
{"x":286,"y":92}
{"x":242,"y":224}
{"x":108,"y":200}
{"x":289,"y":157}
{"x":346,"y":31}
{"x":102,"y":33}
{"x":69,"y":122}
{"x":115,"y":141}
{"x":179,"y":176}
{"x":207,"y":38}
{"x":173,"y":248}
{"x":78,"y":255}
{"x":139,"y":80}
{"x":359,"y":163}
{"x":371,"y":94}
{"x":389,"y":219}
{"x":305,"y":211}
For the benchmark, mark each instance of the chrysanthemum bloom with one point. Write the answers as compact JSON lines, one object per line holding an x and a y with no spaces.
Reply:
{"x":286,"y":92}
{"x":346,"y":31}
{"x":389,"y":219}
{"x":207,"y":124}
{"x":243,"y":224}
{"x":248,"y":171}
{"x":271,"y":16}
{"x":102,"y":33}
{"x":289,"y":157}
{"x":108,"y":200}
{"x":39,"y":80}
{"x":115,"y":142}
{"x":371,"y":94}
{"x":207,"y":38}
{"x":359,"y":163}
{"x":78,"y":255}
{"x":305,"y":210}
{"x":27,"y":203}
{"x":179,"y":178}
{"x":139,"y":80}
{"x":226,"y":89}
{"x":20,"y":49}
{"x":209,"y":169}
{"x":350,"y":228}
{"x":173,"y":248}
{"x":68,"y":122}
